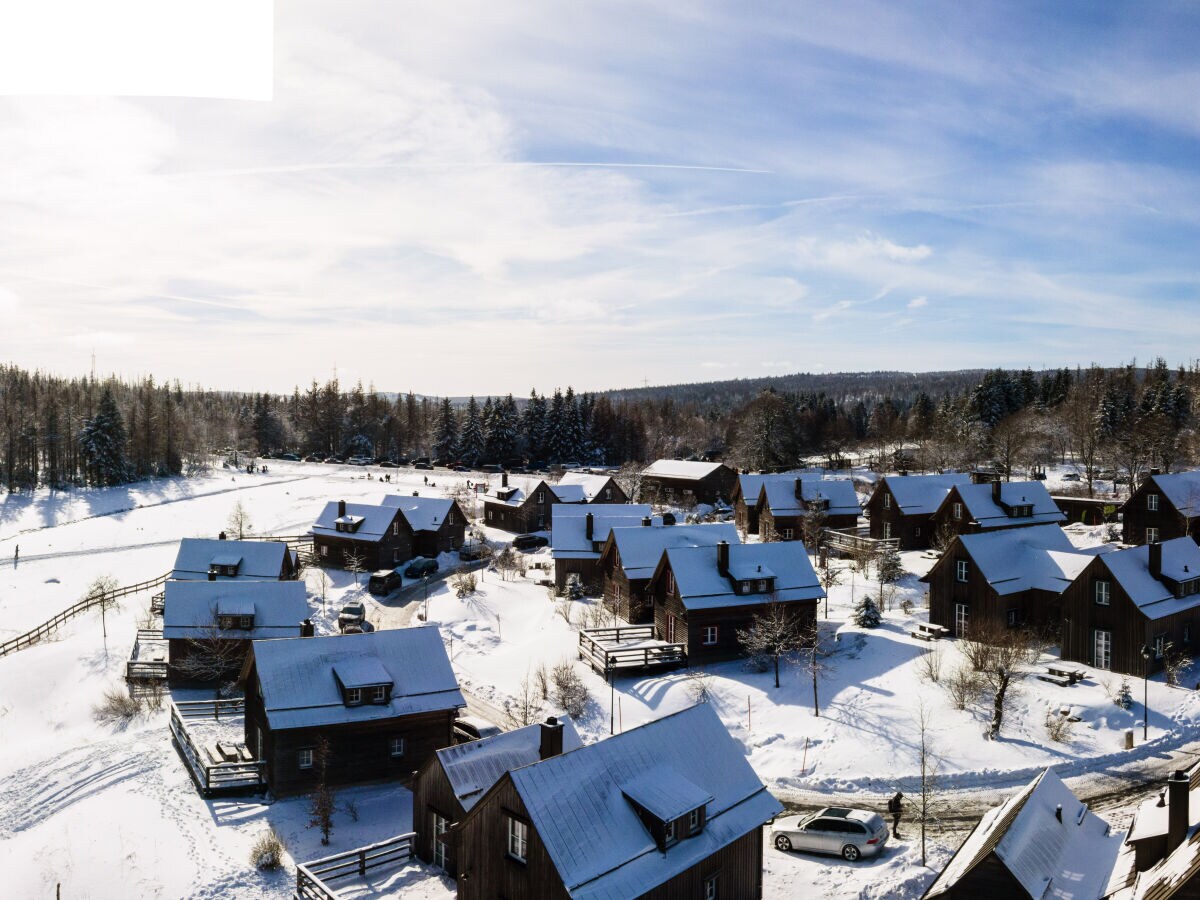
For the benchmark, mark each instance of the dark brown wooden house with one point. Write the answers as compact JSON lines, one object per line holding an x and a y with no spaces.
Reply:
{"x":902,"y":506}
{"x":1009,"y":578}
{"x":584,"y":487}
{"x":1088,"y":510}
{"x":1042,"y":842}
{"x":384,"y":701}
{"x":641,"y":814}
{"x":438,"y":524}
{"x":208,"y":625}
{"x":1163,"y":507}
{"x":219,"y":559}
{"x":784,"y":505}
{"x":976,"y":508}
{"x":685,"y":483}
{"x":745,"y":501}
{"x":579,"y":533}
{"x":704,"y":595}
{"x":378,"y":535}
{"x":1161,"y":856}
{"x":519,"y":510}
{"x":455,"y":778}
{"x":1147,"y":596}
{"x":629,"y":557}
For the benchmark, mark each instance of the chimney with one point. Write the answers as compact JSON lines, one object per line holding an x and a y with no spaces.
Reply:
{"x":1058,"y":812}
{"x":588,"y":526}
{"x":341,"y":508}
{"x":1178,"y":786}
{"x":416,"y":493}
{"x":503,"y":479}
{"x":1155,"y":559}
{"x":307,"y":629}
{"x":212,"y":576}
{"x":723,"y":557}
{"x":668,"y":518}
{"x":1155,"y":470}
{"x":221,"y":536}
{"x":996,"y":492}
{"x":552,"y":738}
{"x":799,"y":489}
{"x":645,"y":521}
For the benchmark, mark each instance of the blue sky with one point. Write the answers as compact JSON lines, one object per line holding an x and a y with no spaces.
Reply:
{"x":484,"y":197}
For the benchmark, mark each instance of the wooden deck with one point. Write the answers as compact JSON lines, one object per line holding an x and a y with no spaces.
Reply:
{"x":636,"y":647}
{"x":313,"y":878}
{"x":212,"y":772}
{"x":149,"y":658}
{"x":856,"y":540}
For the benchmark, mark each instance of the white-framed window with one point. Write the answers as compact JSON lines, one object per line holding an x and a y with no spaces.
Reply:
{"x":304,"y":758}
{"x":1102,"y":591}
{"x":396,"y":747}
{"x":711,"y":633}
{"x":1152,"y":502}
{"x":669,"y":831}
{"x":324,"y":550}
{"x":489,"y":515}
{"x":608,"y":493}
{"x":887,"y":531}
{"x":440,"y":826}
{"x":541,"y":497}
{"x":379,"y":694}
{"x":887,"y":500}
{"x":518,"y":839}
{"x":670,"y":582}
{"x":1160,"y":645}
{"x":786,"y":534}
{"x":962,"y":616}
{"x":1102,"y":649}
{"x":958,"y":510}
{"x":693,"y":821}
{"x":962,"y":570}
{"x":712,"y":887}
{"x":1151,"y":535}
{"x":353,"y":696}
{"x":760,"y":585}
{"x":1011,"y":618}
{"x":395,"y":529}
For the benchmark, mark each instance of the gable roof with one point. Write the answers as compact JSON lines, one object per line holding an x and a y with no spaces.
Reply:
{"x":1182,"y":489}
{"x":299,"y":688}
{"x":421,"y":513}
{"x":190,"y":608}
{"x":580,"y":487}
{"x":1047,"y":857}
{"x":568,"y":529}
{"x":641,"y":547}
{"x":591,"y":831}
{"x":262,"y":560}
{"x":977,"y":499}
{"x":472,"y":768}
{"x":1131,"y":569}
{"x":922,"y":494}
{"x":701,"y":586}
{"x":779,"y":494}
{"x":1020,"y":559}
{"x":375,"y":519}
{"x":683,"y":469}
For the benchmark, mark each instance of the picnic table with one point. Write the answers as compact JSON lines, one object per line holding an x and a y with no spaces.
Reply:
{"x":927,"y":631}
{"x":1065,"y":672}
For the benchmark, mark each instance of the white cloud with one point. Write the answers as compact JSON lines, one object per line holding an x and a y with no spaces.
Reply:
{"x":918,"y":302}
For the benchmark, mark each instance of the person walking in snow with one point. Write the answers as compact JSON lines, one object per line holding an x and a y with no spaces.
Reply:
{"x":16,"y":554}
{"x":894,"y":807}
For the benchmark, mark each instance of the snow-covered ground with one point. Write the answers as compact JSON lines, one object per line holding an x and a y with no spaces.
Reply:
{"x":111,"y":811}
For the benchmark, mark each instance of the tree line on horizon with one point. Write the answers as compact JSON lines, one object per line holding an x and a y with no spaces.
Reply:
{"x":83,"y":431}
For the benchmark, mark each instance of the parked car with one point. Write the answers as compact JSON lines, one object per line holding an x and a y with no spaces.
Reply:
{"x":470,"y":551}
{"x":384,"y":581}
{"x":1071,"y":476}
{"x":529,"y":541}
{"x":352,"y":616}
{"x":422,"y":465}
{"x":388,"y":464}
{"x":837,"y":830}
{"x":291,"y":457}
{"x":420,"y":567}
{"x":312,"y":457}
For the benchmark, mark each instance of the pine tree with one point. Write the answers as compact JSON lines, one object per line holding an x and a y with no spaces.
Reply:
{"x":471,"y":442}
{"x":533,"y":426}
{"x":866,"y":614}
{"x":445,"y":443}
{"x":102,"y":444}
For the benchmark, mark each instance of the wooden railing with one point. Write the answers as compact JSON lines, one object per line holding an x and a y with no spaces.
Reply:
{"x":36,"y":635}
{"x":853,"y":541}
{"x":312,"y":878}
{"x":605,"y":659}
{"x":138,"y":669}
{"x":213,"y":777}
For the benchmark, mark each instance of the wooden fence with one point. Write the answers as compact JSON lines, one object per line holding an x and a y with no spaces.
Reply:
{"x":312,"y":878}
{"x":596,"y":646}
{"x":243,"y":776}
{"x":29,"y":638}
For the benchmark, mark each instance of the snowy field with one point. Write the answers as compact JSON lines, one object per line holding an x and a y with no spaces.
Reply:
{"x":111,"y":812}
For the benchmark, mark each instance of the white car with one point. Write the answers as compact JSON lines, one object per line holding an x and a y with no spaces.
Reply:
{"x":837,"y":830}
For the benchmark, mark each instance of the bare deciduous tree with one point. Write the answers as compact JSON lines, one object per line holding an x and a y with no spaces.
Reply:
{"x":813,"y":652}
{"x":774,"y":634}
{"x":526,"y":707}
{"x":928,"y":765}
{"x":100,"y":593}
{"x":321,"y":802}
{"x":215,"y":654}
{"x":355,"y":562}
{"x":1002,"y":665}
{"x":239,"y":520}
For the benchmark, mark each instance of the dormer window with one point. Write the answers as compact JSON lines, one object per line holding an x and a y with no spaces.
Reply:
{"x":760,"y":586}
{"x":669,"y":832}
{"x":353,"y":696}
{"x":693,"y":821}
{"x":379,"y":694}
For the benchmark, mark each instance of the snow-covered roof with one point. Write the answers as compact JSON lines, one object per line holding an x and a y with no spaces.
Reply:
{"x":375,"y":519}
{"x":593,"y":834}
{"x":1071,"y":858}
{"x":641,"y":547}
{"x":977,"y":498}
{"x":190,"y":608}
{"x":1165,"y":880}
{"x":568,"y":529}
{"x":1021,"y":559}
{"x":781,"y":499}
{"x":664,"y":793}
{"x":262,"y":560}
{"x":1182,"y":489}
{"x":750,"y":485}
{"x":1131,"y":569}
{"x":701,"y":586}
{"x":580,"y":487}
{"x":472,"y":768}
{"x":421,"y":513}
{"x":922,"y":494}
{"x":360,"y":672}
{"x":300,"y":690}
{"x":679,"y":468}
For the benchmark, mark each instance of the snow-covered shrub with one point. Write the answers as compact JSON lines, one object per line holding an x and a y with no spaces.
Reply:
{"x":1112,"y":532}
{"x":541,"y":680}
{"x":1059,"y":728}
{"x":1124,"y":695}
{"x":866,"y":614}
{"x":574,"y":587}
{"x":463,"y":582}
{"x":116,"y":706}
{"x":964,"y":686}
{"x":267,"y":852}
{"x":699,"y":685}
{"x":906,"y":606}
{"x":929,"y":666}
{"x":570,"y":692}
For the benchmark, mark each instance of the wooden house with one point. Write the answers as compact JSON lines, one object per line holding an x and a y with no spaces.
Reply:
{"x":1163,"y":507}
{"x":901,"y":507}
{"x":745,"y":501}
{"x":630,"y":556}
{"x":1088,"y":510}
{"x":641,"y":814}
{"x":1160,"y":859}
{"x":438,"y":524}
{"x":375,"y":534}
{"x":684,"y":483}
{"x":583,"y":487}
{"x":1042,"y":842}
{"x":578,"y":535}
{"x":784,"y":504}
{"x":455,"y":778}
{"x":704,"y":595}
{"x":206,"y":559}
{"x":208,"y":625}
{"x":384,"y":701}
{"x":529,"y":505}
{"x":1012,"y":578}
{"x":974,"y":508}
{"x":1147,"y":596}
